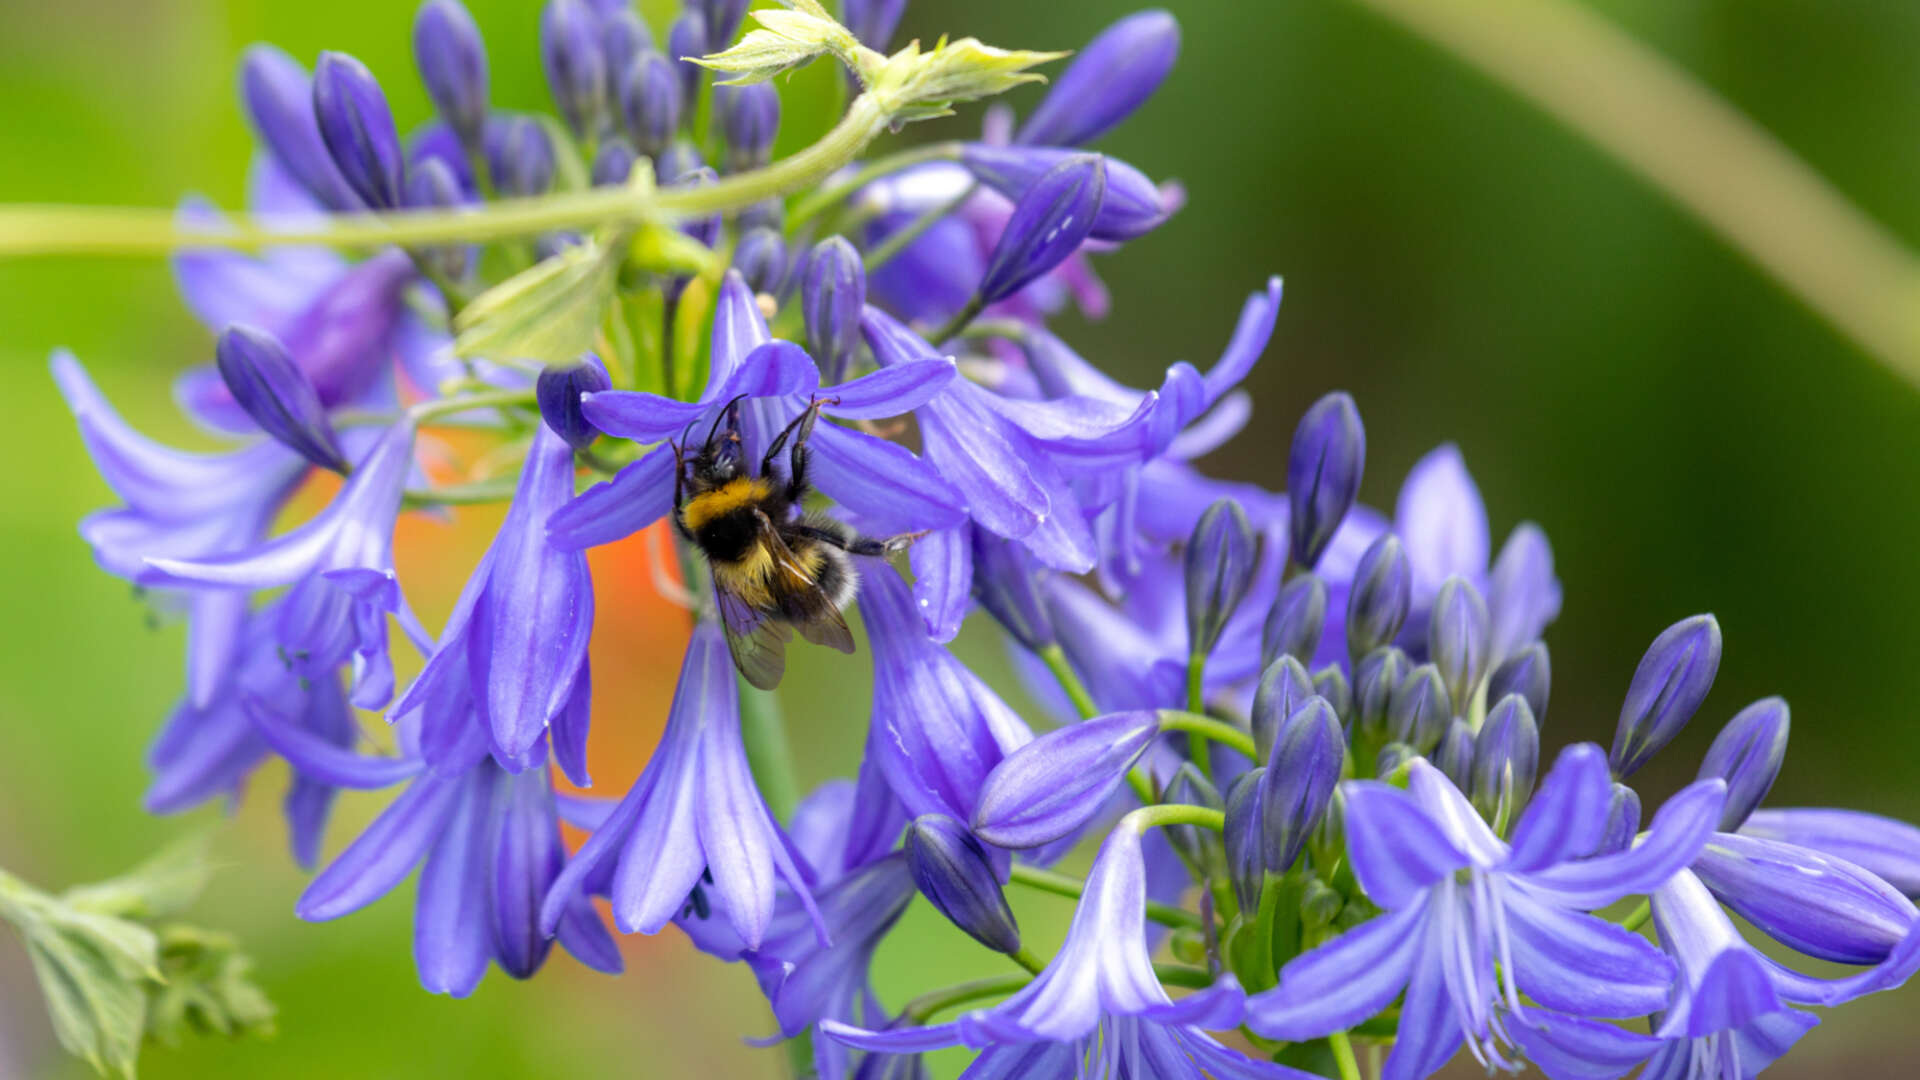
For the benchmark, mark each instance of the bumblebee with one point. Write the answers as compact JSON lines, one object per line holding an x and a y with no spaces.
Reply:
{"x":775,"y":568}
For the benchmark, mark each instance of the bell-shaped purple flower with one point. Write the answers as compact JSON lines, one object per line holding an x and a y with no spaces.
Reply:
{"x":575,"y":63}
{"x":559,"y":390}
{"x":358,"y":130}
{"x":955,"y":874}
{"x":278,"y":99}
{"x":694,"y":812}
{"x":833,"y":293}
{"x":1130,"y":207}
{"x":1300,"y":778}
{"x":340,"y":567}
{"x":1296,"y":622}
{"x":1672,"y":680}
{"x":1506,"y":759}
{"x":277,"y":395}
{"x":518,"y":634}
{"x":1324,"y":467}
{"x":453,"y":64}
{"x":1054,"y":785}
{"x":1379,"y":597}
{"x":1049,"y":223}
{"x":1528,"y":673}
{"x":1458,"y":637}
{"x":1747,"y":754}
{"x":1472,"y":923}
{"x":1889,"y":849}
{"x":1110,"y":78}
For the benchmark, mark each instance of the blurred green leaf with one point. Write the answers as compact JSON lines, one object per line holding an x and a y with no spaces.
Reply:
{"x":549,"y":313}
{"x":163,"y":885}
{"x":209,"y":989}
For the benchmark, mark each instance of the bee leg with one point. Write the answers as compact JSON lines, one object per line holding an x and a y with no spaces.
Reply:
{"x":859,"y":545}
{"x":679,"y":489}
{"x":800,"y":430}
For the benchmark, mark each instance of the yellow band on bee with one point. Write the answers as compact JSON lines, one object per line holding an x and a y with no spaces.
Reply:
{"x":728,"y":497}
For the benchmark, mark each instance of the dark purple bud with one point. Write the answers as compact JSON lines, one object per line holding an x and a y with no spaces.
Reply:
{"x":1323,"y":474}
{"x":613,"y":163}
{"x":1506,"y":760}
{"x":1623,"y":820}
{"x":1245,"y":841}
{"x":1528,"y":673}
{"x":1131,"y":206}
{"x":1377,"y":676}
{"x":1111,"y":77}
{"x":623,"y":36}
{"x":833,"y":291}
{"x":278,"y":98}
{"x":279,"y":397}
{"x":1458,"y":633}
{"x":723,"y":21}
{"x":1419,"y":710}
{"x":575,"y":62}
{"x":453,"y":64}
{"x":1330,"y":682}
{"x":688,"y":37}
{"x":1284,"y":687}
{"x":749,"y":118}
{"x":1298,"y":618}
{"x":1381,"y":594}
{"x":1221,"y":557}
{"x":526,"y":159}
{"x":431,"y":184}
{"x":706,"y":229}
{"x":761,"y":258}
{"x":953,"y":871}
{"x":1006,"y":581}
{"x":677,"y":163}
{"x":1392,"y":756}
{"x":872,"y":21}
{"x":1454,"y":756}
{"x":1747,"y":754}
{"x":1061,"y":780}
{"x":558,"y":391}
{"x":1046,"y":227}
{"x":357,"y":127}
{"x":1672,"y":680}
{"x":765,"y":214}
{"x":650,"y":102}
{"x":1301,"y":775}
{"x":1189,"y":788}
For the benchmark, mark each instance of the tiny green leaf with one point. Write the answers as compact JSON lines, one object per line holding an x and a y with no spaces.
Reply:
{"x":163,"y":885}
{"x":549,"y":313}
{"x":788,"y":38}
{"x":208,"y":990}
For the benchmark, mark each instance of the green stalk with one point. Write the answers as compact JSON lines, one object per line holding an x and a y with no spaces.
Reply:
{"x":1197,"y":749}
{"x":1343,"y":1058}
{"x":1056,"y":660}
{"x":1058,"y":884}
{"x":883,"y":252}
{"x":427,"y":410}
{"x":769,"y":753}
{"x":811,"y":206}
{"x":927,"y":1005}
{"x":1198,"y":724}
{"x":1638,"y":917}
{"x":1165,"y":814}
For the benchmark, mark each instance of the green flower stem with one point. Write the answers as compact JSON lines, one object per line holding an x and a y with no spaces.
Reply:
{"x":1343,"y":1058}
{"x":427,"y":410}
{"x":1056,"y":660}
{"x":811,"y":206}
{"x":1192,"y":978}
{"x":927,"y":1005}
{"x":884,"y":251}
{"x":1197,"y":749}
{"x":1166,"y":814}
{"x":959,"y":321}
{"x":499,"y":489}
{"x":769,"y":753}
{"x":1048,"y":881}
{"x":1026,"y":959}
{"x":1638,"y":917}
{"x":1218,"y":730}
{"x":85,"y":230}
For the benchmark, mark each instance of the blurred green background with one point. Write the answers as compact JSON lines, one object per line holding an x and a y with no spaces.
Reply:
{"x":1690,"y":437}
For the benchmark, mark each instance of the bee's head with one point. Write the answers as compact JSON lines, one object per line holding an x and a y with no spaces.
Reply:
{"x":718,"y":459}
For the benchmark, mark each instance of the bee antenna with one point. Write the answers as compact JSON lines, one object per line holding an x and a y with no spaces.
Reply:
{"x":726,"y":411}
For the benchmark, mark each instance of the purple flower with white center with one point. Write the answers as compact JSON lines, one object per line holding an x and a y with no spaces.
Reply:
{"x":1100,"y":995}
{"x":340,"y":567}
{"x":1114,"y":75}
{"x":1473,"y":922}
{"x":694,"y":812}
{"x":882,"y":482}
{"x":518,"y":634}
{"x":183,"y":505}
{"x":487,"y":843}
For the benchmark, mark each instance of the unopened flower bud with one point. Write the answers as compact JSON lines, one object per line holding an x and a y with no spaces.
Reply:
{"x":1392,"y":756}
{"x":649,"y":93}
{"x":872,"y":21}
{"x":1221,"y":557}
{"x":1330,"y":682}
{"x":1329,"y":841}
{"x":1454,"y":756}
{"x":765,"y":214}
{"x":1381,"y":594}
{"x":1284,"y":686}
{"x":1419,"y":710}
{"x":723,"y":21}
{"x":1672,"y":680}
{"x":1189,"y":788}
{"x":761,"y":258}
{"x":687,"y":37}
{"x":953,"y":872}
{"x":575,"y":62}
{"x":749,"y":118}
{"x":526,"y":164}
{"x":1747,"y":754}
{"x":1506,"y":760}
{"x":1378,"y":675}
{"x":1130,"y":208}
{"x":357,"y":127}
{"x":453,"y":64}
{"x":279,"y":397}
{"x":1301,"y":774}
{"x":677,"y":163}
{"x":431,"y":184}
{"x":1245,"y":845}
{"x":623,"y":36}
{"x":1006,"y":581}
{"x":1457,"y":637}
{"x":278,"y":98}
{"x":704,"y":229}
{"x":1324,"y":467}
{"x":1046,"y":226}
{"x":613,"y":163}
{"x":1528,"y":673}
{"x":833,"y":292}
{"x":1298,"y":618}
{"x":1059,"y":781}
{"x":1107,"y":81}
{"x":1623,"y":820}
{"x":558,"y":391}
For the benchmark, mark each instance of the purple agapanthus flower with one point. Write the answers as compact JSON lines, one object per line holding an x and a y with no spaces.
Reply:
{"x":340,"y":569}
{"x":487,"y":843}
{"x":693,"y":813}
{"x":1473,"y":922}
{"x":518,"y":635}
{"x":1099,"y":999}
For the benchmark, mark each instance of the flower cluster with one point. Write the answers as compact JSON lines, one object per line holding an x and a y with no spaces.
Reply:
{"x":1304,"y":734}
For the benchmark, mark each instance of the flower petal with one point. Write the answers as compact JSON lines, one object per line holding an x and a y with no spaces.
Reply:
{"x":452,"y":940}
{"x":385,"y":853}
{"x":1398,"y":852}
{"x":890,"y":391}
{"x":898,"y":1040}
{"x":1570,"y":1048}
{"x":1442,"y":522}
{"x":1679,"y":831}
{"x":640,"y":416}
{"x":641,"y":494}
{"x":1343,"y":982}
{"x":1429,"y":1029}
{"x":883,"y":482}
{"x":1818,"y":904}
{"x":1581,"y":964}
{"x":1888,"y":848}
{"x":319,"y":759}
{"x":943,"y":580}
{"x":1568,"y":815}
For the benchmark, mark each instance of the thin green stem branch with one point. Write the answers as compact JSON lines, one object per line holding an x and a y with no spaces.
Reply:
{"x":813,"y":205}
{"x":1058,"y":884}
{"x":1638,"y":917}
{"x":1197,"y":748}
{"x":1698,"y":150}
{"x":1343,"y":1058}
{"x":1217,"y":730}
{"x":885,"y":250}
{"x":1056,"y":660}
{"x":769,"y":751}
{"x":427,"y":410}
{"x":927,"y":1005}
{"x":1166,"y":814}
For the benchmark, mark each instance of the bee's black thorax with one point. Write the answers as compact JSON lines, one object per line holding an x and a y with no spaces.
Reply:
{"x":730,"y":536}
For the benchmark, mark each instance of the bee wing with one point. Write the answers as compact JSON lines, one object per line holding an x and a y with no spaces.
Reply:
{"x":807,"y":605}
{"x":758,"y":643}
